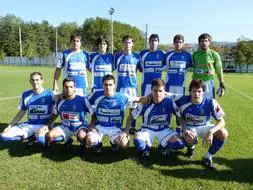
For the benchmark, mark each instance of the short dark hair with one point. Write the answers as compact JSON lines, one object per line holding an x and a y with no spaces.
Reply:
{"x":178,"y":37}
{"x":197,"y":83}
{"x":36,"y":73}
{"x":204,"y":36}
{"x":154,"y":36}
{"x":126,"y":37}
{"x":68,"y":79}
{"x":108,"y":77}
{"x":157,"y":82}
{"x":75,"y":35}
{"x":101,"y":39}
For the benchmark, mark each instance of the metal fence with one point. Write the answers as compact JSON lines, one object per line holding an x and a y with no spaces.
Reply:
{"x":25,"y":61}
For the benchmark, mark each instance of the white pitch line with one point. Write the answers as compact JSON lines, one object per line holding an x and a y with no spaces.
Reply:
{"x":243,"y":94}
{"x":9,"y":98}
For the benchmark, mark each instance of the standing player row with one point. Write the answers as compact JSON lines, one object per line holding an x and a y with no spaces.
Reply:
{"x":205,"y":62}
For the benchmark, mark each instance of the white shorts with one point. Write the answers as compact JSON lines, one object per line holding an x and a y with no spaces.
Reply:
{"x":112,"y":132}
{"x":149,"y":136}
{"x":26,"y":129}
{"x":80,"y":91}
{"x":200,"y":131}
{"x":177,"y":90}
{"x":147,"y":90}
{"x":209,"y":92}
{"x":67,"y":133}
{"x":130,"y":92}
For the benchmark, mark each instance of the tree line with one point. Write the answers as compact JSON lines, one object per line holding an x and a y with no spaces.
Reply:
{"x":39,"y":39}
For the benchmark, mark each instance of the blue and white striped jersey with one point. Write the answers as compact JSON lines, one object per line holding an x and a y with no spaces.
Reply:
{"x":100,"y":65}
{"x":199,"y":114}
{"x":156,"y":117}
{"x":109,"y":109}
{"x":75,"y":65}
{"x":39,"y":107}
{"x":152,"y":63}
{"x":73,"y":112}
{"x":177,"y":64}
{"x":127,"y":66}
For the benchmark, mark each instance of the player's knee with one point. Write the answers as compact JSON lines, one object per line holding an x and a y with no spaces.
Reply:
{"x":189,"y":140}
{"x":222,"y":134}
{"x":81,"y":135}
{"x":139,"y":143}
{"x":92,"y":138}
{"x":49,"y":136}
{"x":5,"y":136}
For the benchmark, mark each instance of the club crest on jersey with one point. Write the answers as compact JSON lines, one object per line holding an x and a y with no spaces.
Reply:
{"x":157,"y":56}
{"x":202,"y":112}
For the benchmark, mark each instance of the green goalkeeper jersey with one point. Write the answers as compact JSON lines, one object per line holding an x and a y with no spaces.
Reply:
{"x":206,"y":65}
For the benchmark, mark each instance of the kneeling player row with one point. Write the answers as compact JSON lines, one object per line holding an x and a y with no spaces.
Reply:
{"x":107,"y":110}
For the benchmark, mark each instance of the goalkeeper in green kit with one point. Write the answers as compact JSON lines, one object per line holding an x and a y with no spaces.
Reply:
{"x":207,"y":63}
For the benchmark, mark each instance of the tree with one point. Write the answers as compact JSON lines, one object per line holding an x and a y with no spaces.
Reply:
{"x":9,"y":40}
{"x":65,"y":30}
{"x":93,"y":28}
{"x":45,"y":38}
{"x":244,"y":52}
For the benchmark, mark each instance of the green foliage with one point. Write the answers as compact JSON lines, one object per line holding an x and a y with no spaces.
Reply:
{"x":93,"y":28}
{"x":65,"y":30}
{"x":244,"y":52}
{"x":38,"y":39}
{"x":9,"y":40}
{"x":2,"y":54}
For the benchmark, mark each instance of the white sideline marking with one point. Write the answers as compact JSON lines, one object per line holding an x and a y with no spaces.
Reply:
{"x":8,"y":98}
{"x":243,"y":94}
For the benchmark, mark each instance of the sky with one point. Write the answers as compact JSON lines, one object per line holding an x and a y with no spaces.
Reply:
{"x":225,"y":20}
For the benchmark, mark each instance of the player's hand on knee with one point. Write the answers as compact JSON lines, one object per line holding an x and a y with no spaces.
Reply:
{"x":189,"y":134}
{"x":43,"y":130}
{"x":208,"y":139}
{"x":123,"y":140}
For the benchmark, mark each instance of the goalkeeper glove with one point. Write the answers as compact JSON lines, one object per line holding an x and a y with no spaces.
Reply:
{"x":221,"y":91}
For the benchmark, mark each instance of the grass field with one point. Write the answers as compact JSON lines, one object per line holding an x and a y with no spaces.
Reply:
{"x":35,"y":168}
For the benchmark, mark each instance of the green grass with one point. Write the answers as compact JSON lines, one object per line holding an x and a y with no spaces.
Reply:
{"x":34,"y":168}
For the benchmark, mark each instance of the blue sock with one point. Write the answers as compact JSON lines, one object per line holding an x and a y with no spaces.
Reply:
{"x":41,"y":139}
{"x":17,"y":138}
{"x":58,"y":139}
{"x":216,"y":146}
{"x":139,"y":144}
{"x":133,"y":124}
{"x":175,"y":145}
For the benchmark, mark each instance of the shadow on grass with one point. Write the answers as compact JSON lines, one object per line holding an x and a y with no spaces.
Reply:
{"x":3,"y":126}
{"x":157,"y":159}
{"x":107,"y":156}
{"x":238,"y":170}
